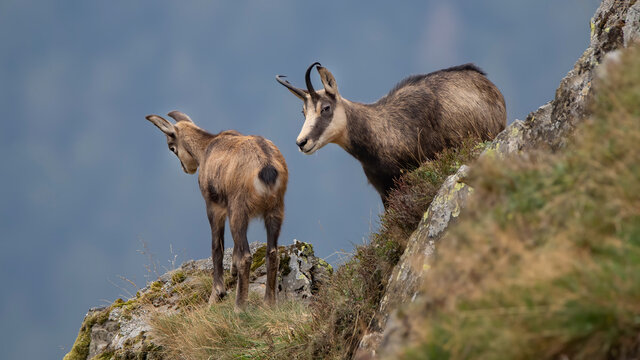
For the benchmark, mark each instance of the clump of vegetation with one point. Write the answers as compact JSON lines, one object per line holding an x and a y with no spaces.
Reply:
{"x":178,"y":277}
{"x":415,"y":189}
{"x":546,"y":262}
{"x":80,"y":349}
{"x":346,"y":307}
{"x":218,"y":332}
{"x":195,"y":291}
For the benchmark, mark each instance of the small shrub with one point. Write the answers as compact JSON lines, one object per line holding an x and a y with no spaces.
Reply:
{"x":415,"y":189}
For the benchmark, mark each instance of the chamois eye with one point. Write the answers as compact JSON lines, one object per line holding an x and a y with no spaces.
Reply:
{"x":326,"y":108}
{"x":173,"y":149}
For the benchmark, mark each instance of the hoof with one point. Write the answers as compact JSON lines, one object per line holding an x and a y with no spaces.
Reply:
{"x":240,"y":306}
{"x":270,"y":301}
{"x":217,"y":297}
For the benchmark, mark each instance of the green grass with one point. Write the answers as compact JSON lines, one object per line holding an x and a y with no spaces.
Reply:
{"x":546,"y":262}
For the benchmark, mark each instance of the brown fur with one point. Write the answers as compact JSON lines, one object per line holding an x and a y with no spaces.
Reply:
{"x":241,"y":177}
{"x":418,"y":118}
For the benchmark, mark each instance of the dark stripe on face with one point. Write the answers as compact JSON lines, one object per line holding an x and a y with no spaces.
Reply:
{"x":320,"y":126}
{"x":322,"y":120}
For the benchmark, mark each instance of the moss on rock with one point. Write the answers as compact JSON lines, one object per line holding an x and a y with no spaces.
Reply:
{"x":80,"y":349}
{"x":325,"y":265}
{"x":259,"y":257}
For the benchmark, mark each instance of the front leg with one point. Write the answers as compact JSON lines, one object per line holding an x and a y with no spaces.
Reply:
{"x":217,"y":216}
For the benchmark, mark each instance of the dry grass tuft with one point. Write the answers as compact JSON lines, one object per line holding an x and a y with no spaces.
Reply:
{"x":218,"y":332}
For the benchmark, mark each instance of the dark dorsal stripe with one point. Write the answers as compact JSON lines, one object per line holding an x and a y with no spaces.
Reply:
{"x":414,"y":79}
{"x":264,"y":146}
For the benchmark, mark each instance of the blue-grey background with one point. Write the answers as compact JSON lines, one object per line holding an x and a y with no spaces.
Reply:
{"x":86,"y":182}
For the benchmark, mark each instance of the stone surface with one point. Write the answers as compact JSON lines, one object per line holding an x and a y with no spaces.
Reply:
{"x":101,"y":337}
{"x":125,"y":332}
{"x":615,"y":24}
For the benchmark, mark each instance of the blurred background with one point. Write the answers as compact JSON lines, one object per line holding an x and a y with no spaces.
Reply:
{"x":90,"y":193}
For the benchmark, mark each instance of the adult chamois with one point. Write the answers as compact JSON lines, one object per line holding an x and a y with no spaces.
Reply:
{"x":242,"y":177}
{"x":419,"y":117}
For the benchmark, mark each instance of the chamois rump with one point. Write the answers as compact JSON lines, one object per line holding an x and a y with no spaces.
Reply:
{"x":241,"y":177}
{"x":419,"y":117}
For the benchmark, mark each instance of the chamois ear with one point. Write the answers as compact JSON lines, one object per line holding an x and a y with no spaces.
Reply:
{"x":163,"y":124}
{"x":179,"y":116}
{"x":329,"y":82}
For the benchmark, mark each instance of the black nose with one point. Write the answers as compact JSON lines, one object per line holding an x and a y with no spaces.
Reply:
{"x":301,"y":143}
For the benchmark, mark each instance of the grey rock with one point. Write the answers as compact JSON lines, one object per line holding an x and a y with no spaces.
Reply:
{"x":297,"y":283}
{"x":101,"y":337}
{"x":631,"y":29}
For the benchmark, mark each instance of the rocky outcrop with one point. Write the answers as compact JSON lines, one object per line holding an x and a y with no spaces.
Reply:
{"x":123,"y":331}
{"x":615,"y":25}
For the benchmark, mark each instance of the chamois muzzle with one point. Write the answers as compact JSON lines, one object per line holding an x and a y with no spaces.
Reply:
{"x":302,"y":143}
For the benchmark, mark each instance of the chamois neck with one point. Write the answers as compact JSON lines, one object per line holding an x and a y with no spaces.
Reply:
{"x":361,"y":140}
{"x":196,"y":141}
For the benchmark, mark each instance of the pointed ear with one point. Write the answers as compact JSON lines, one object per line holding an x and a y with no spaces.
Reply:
{"x":179,"y":116}
{"x":163,"y":124}
{"x":329,"y":82}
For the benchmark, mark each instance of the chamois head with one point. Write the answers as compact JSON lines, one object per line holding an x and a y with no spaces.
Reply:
{"x":325,"y":117}
{"x":175,"y":142}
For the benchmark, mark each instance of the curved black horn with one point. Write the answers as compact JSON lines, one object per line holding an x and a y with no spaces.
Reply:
{"x":307,"y":79}
{"x":299,"y":92}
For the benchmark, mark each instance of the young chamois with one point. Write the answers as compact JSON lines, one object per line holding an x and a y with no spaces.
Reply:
{"x":419,"y":117}
{"x":241,"y":177}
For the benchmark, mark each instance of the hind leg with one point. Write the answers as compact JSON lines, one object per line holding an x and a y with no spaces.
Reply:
{"x":272,"y":222}
{"x":239,"y":222}
{"x":217,"y":217}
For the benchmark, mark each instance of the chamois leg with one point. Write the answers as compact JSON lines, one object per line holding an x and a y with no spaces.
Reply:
{"x":273,"y":222}
{"x":234,"y":269}
{"x":217,"y":217}
{"x":239,"y":222}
